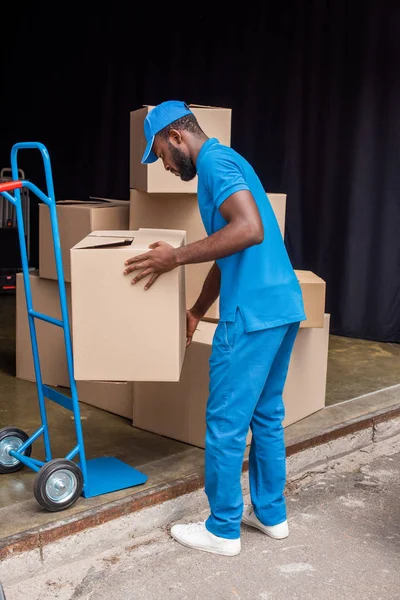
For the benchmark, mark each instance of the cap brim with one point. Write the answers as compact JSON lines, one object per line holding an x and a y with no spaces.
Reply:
{"x":149,"y":156}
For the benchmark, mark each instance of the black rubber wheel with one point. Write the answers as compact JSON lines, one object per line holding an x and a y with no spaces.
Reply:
{"x":12,"y":438}
{"x":58,"y":484}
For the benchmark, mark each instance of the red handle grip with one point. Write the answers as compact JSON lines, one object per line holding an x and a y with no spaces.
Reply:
{"x":7,"y":186}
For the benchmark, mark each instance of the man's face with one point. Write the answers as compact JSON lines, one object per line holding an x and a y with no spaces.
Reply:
{"x":175,"y":156}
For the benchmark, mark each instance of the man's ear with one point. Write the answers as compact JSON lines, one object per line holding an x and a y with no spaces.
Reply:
{"x":175,"y":135}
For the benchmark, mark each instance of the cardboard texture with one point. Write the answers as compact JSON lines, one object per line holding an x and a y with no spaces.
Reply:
{"x":177,"y":410}
{"x":215,"y":122}
{"x":115,"y":397}
{"x":120,"y":331}
{"x":314,"y":291}
{"x":278,"y":203}
{"x":305,"y":388}
{"x":76,"y":219}
{"x":174,"y":211}
{"x":45,"y":298}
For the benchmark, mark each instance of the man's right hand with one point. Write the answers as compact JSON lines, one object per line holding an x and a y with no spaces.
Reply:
{"x":192,"y":320}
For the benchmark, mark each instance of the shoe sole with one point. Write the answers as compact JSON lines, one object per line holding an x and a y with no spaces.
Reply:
{"x":210,"y":550}
{"x":274,"y":537}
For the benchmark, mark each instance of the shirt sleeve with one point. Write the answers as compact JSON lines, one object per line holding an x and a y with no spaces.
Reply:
{"x":223,"y":178}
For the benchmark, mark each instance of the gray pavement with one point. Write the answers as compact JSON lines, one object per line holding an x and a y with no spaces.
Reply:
{"x":344,"y":543}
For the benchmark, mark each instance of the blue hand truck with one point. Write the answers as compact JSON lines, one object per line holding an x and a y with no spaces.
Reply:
{"x":58,"y":482}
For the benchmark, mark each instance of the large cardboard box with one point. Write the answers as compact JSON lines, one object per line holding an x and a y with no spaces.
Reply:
{"x":45,"y":299}
{"x":177,"y":410}
{"x":115,"y":397}
{"x":120,"y":331}
{"x":76,"y":219}
{"x":215,"y":122}
{"x":174,"y":211}
{"x":314,"y":291}
{"x":181,"y":211}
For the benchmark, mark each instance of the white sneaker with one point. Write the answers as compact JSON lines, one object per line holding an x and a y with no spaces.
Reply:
{"x":278,"y":532}
{"x":197,"y":536}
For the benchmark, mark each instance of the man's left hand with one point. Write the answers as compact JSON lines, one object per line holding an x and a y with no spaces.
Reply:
{"x":161,"y":259}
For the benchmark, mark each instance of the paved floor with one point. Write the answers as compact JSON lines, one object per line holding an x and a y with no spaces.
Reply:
{"x":344,"y":543}
{"x":355,"y":367}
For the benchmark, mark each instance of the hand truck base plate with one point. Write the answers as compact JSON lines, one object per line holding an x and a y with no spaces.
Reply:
{"x":108,"y":474}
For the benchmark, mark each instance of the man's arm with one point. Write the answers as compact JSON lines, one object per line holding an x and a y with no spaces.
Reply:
{"x":244,"y":229}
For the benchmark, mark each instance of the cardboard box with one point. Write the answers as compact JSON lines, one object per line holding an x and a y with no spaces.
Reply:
{"x":120,"y":331}
{"x":215,"y":122}
{"x":305,"y":388}
{"x":174,"y":211}
{"x":278,"y":203}
{"x":115,"y":397}
{"x":177,"y":410}
{"x":181,"y":211}
{"x":314,"y":291}
{"x":53,"y":361}
{"x":76,"y":219}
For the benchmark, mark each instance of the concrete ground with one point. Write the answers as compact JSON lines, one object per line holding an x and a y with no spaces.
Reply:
{"x":344,"y":543}
{"x":355,"y":367}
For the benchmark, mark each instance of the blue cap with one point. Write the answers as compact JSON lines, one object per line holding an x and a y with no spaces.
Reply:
{"x":159,"y":117}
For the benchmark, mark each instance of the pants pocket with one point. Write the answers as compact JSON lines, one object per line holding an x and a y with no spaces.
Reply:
{"x":230,"y":334}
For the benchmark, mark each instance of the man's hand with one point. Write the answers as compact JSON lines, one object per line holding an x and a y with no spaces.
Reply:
{"x":161,"y":259}
{"x":192,"y":320}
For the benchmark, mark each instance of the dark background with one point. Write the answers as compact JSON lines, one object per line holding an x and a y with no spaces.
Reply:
{"x":315,"y":91}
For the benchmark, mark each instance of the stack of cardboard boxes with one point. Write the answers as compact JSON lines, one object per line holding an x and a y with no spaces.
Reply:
{"x":129,"y":344}
{"x":76,"y":219}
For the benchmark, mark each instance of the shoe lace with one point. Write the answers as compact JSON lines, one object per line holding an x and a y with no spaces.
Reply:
{"x":196,"y":527}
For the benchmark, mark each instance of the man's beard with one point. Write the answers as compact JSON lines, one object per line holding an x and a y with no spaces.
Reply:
{"x":184,"y":166}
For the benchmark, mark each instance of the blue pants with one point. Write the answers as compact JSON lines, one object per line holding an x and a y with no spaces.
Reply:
{"x":247,"y":376}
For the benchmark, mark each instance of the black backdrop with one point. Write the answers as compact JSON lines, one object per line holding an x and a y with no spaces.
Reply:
{"x":315,"y":91}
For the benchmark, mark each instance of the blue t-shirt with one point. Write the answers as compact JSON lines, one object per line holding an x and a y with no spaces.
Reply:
{"x":260,"y":280}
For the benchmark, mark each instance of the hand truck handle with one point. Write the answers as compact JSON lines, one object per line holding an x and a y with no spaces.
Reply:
{"x":7,"y":186}
{"x":46,"y":162}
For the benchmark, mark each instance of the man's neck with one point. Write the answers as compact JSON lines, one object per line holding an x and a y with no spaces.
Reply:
{"x":196,"y":145}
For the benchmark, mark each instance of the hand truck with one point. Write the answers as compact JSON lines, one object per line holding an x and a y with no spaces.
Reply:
{"x":59,"y":481}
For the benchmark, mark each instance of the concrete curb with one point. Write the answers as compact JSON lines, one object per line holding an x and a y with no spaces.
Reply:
{"x":130,"y":517}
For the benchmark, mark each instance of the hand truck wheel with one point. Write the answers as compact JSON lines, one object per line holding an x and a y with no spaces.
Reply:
{"x":58,"y":484}
{"x":12,"y":438}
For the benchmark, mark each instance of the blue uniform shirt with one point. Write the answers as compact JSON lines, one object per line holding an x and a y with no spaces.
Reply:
{"x":260,"y":280}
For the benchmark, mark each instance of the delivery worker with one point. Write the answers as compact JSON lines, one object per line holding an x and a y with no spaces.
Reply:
{"x":261,"y":307}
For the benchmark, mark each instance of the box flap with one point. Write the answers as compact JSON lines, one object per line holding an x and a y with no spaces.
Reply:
{"x":191,"y":105}
{"x":174,"y":237}
{"x":139,"y":239}
{"x":109,"y":201}
{"x":308,"y":277}
{"x":93,"y":202}
{"x":106,"y":239}
{"x":208,"y":106}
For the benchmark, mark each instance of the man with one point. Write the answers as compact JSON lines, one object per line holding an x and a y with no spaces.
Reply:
{"x":260,"y":309}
